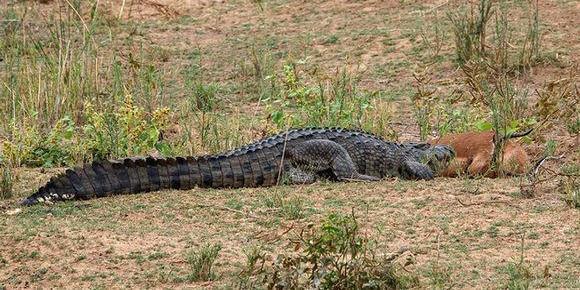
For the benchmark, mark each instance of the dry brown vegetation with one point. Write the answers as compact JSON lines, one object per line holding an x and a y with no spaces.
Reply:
{"x":192,"y":77}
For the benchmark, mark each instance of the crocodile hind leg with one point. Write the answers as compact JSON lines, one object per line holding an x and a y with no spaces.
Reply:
{"x":322,"y":156}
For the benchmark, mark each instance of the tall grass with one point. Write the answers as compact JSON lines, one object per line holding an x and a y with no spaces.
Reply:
{"x":59,"y":70}
{"x":470,"y":29}
{"x":47,"y":76}
{"x":7,"y":176}
{"x":488,"y":30}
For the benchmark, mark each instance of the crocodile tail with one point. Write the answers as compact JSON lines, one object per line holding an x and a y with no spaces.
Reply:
{"x":257,"y":167}
{"x":129,"y":176}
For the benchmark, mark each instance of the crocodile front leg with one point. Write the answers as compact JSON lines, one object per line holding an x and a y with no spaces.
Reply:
{"x":415,"y":170}
{"x":324,"y":156}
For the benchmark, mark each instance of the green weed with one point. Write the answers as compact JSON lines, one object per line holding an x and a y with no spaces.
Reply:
{"x":334,"y":100}
{"x":519,"y":274}
{"x":201,"y":263}
{"x":126,"y":131}
{"x":336,"y":255}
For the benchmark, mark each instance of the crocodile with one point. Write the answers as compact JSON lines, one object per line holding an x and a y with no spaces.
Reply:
{"x":293,"y":156}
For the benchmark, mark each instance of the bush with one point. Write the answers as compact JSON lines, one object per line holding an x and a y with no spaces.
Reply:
{"x":126,"y":131}
{"x":335,"y":255}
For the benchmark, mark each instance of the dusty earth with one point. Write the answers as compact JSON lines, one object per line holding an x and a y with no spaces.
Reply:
{"x":462,"y":233}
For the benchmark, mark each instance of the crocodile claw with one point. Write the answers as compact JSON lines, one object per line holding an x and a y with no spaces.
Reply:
{"x":417,"y":170}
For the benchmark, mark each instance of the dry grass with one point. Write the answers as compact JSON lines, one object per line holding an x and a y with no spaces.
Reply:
{"x":463,"y":233}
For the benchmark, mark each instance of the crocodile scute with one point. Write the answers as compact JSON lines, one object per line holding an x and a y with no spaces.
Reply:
{"x":293,"y":156}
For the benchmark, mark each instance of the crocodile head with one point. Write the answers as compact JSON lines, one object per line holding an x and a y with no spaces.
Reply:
{"x":437,"y":157}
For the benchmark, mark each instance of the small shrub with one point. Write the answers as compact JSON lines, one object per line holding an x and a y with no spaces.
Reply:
{"x":126,"y":131}
{"x":335,"y":255}
{"x":201,"y":263}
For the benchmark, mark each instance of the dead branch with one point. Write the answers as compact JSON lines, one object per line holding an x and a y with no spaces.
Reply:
{"x":534,"y":171}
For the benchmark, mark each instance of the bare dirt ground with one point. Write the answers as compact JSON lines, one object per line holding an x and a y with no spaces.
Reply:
{"x":463,"y":233}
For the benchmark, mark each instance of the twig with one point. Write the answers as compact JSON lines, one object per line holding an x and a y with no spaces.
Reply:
{"x":283,"y":157}
{"x":263,"y":235}
{"x":437,"y":6}
{"x":486,"y":202}
{"x":163,"y":9}
{"x":541,"y":162}
{"x":227,"y":209}
{"x":121,"y":10}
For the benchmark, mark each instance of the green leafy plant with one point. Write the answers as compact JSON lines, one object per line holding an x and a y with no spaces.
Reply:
{"x":58,"y":148}
{"x":126,"y":131}
{"x":335,"y":255}
{"x":334,"y":101}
